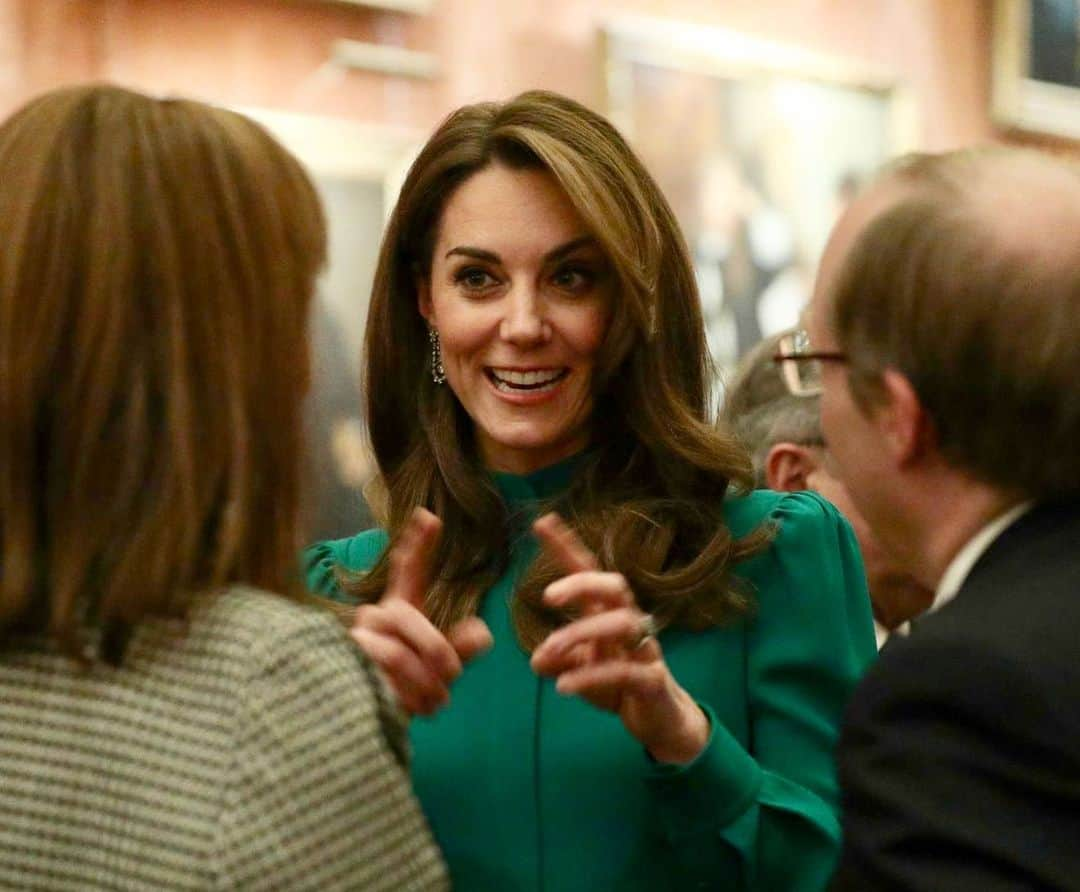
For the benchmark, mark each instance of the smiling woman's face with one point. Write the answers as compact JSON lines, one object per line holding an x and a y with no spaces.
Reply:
{"x":520,"y":294}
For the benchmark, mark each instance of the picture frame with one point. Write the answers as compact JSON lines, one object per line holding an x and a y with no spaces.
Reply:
{"x":1036,"y":66}
{"x":757,"y":146}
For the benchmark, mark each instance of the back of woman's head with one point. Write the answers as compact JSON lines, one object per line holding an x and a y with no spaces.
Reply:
{"x":159,"y":258}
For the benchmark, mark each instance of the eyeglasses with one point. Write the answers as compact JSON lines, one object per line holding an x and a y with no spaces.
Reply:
{"x":800,"y":367}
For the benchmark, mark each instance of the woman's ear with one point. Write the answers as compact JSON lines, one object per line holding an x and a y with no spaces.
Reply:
{"x":788,"y":465}
{"x":423,"y":300}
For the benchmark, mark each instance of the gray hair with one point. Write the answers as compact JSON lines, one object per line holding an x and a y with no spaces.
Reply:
{"x":761,"y":412}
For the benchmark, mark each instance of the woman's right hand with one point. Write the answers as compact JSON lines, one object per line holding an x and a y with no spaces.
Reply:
{"x":417,"y":659}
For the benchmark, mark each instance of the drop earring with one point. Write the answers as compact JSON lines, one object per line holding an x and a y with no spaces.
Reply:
{"x":438,"y":373}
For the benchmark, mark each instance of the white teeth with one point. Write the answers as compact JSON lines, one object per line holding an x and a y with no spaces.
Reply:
{"x":502,"y":386}
{"x":505,"y":379}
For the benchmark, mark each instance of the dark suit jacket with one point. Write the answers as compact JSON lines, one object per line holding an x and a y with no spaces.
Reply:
{"x":960,"y":755}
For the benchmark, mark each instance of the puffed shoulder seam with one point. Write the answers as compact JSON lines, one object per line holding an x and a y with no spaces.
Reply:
{"x":356,"y":553}
{"x":318,"y":567}
{"x":803,"y":504}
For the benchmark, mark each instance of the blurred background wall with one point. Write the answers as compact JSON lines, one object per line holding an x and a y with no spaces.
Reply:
{"x":273,"y":53}
{"x":758,"y":117}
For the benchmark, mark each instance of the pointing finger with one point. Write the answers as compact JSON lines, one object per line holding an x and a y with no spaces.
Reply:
{"x":564,"y":545}
{"x":410,"y":558}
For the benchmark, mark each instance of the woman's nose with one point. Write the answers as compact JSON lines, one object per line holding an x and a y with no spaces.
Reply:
{"x":524,"y":323}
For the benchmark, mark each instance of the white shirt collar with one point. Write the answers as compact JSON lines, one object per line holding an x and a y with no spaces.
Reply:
{"x":960,"y":566}
{"x":881,"y":634}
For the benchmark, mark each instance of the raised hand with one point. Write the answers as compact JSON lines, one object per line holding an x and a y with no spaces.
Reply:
{"x":418,"y":660}
{"x":609,"y":656}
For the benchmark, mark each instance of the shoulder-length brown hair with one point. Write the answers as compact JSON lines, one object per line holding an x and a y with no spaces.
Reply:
{"x":648,"y":498}
{"x":158,"y":260}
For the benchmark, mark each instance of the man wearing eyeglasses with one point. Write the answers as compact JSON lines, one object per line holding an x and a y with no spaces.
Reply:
{"x":772,"y":406}
{"x":945,"y":327}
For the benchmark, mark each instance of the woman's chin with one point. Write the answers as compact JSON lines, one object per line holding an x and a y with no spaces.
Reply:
{"x":524,"y":454}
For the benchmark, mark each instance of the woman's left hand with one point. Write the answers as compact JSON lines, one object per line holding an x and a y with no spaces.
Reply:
{"x":608,"y":657}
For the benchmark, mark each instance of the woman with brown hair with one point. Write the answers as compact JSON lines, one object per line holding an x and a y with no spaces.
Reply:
{"x":535,"y":349}
{"x":156,"y":729}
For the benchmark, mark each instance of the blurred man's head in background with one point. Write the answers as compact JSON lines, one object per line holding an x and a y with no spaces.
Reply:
{"x":945,"y":326}
{"x":778,"y":418}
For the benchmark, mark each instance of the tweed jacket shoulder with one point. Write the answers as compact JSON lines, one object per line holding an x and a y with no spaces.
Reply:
{"x":248,"y":748}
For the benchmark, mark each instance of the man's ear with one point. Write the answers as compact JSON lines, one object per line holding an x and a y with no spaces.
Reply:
{"x":423,"y":299}
{"x":787,"y":466}
{"x":906,"y":427}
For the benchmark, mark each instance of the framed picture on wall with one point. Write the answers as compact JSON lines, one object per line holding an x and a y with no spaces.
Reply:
{"x":757,"y":147}
{"x":1037,"y":65}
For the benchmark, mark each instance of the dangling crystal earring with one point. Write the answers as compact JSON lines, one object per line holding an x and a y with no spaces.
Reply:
{"x":438,"y":373}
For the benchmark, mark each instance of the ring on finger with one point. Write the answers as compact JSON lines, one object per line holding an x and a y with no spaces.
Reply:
{"x":647,"y":629}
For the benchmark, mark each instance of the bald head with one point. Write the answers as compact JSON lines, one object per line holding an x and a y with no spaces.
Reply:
{"x":962,"y":272}
{"x":1029,"y":206}
{"x":881,"y":195}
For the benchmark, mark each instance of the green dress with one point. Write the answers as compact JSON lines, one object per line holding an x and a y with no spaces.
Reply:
{"x":526,"y":789}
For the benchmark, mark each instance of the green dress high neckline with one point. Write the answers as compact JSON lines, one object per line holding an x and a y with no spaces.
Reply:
{"x":520,"y":490}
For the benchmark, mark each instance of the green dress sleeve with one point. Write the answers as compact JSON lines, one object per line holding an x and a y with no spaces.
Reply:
{"x":323,"y":560}
{"x":772,"y":807}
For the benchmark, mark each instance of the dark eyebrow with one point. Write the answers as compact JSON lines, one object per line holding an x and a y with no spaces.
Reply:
{"x":477,"y":253}
{"x":551,"y":256}
{"x":569,"y":248}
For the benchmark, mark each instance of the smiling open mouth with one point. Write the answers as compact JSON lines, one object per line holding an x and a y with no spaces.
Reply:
{"x":511,"y":381}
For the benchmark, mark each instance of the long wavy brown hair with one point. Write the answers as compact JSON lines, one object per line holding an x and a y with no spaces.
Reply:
{"x":648,"y":497}
{"x":158,"y":262}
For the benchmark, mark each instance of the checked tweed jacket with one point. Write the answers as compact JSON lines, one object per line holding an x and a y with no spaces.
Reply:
{"x":250,"y":748}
